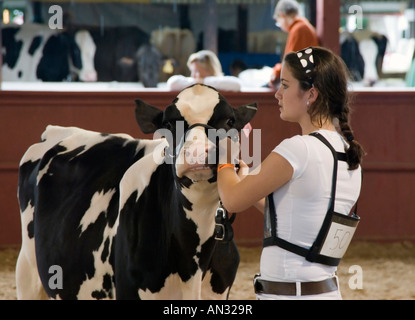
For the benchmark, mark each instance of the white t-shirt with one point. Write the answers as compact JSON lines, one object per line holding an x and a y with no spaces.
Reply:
{"x":302,"y":203}
{"x":225,"y":83}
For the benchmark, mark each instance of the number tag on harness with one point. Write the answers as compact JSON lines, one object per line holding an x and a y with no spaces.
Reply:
{"x":339,"y":235}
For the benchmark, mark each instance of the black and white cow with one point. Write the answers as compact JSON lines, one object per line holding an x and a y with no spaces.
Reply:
{"x":124,"y":218}
{"x":34,"y":52}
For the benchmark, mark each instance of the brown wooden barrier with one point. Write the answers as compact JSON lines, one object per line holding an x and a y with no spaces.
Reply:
{"x":384,"y":122}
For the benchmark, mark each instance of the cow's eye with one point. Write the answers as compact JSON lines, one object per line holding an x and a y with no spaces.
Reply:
{"x":230,"y":122}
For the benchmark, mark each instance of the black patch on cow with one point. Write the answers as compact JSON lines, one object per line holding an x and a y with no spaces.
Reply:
{"x":35,"y":44}
{"x":149,"y":63}
{"x":99,"y":294}
{"x":11,"y":46}
{"x":105,"y":252}
{"x":55,"y":53}
{"x":75,"y":51}
{"x":27,"y":183}
{"x":107,"y":285}
{"x":350,"y":54}
{"x":30,"y":230}
{"x":54,"y":64}
{"x":114,"y":46}
{"x":63,"y":196}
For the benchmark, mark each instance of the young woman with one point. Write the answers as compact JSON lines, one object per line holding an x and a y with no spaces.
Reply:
{"x":298,"y":174}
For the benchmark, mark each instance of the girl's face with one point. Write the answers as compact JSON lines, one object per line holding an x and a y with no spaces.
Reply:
{"x":198,"y":71}
{"x":291,"y":98}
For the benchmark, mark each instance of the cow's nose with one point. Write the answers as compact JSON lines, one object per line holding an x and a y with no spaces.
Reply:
{"x":196,"y":150}
{"x":197,"y":153}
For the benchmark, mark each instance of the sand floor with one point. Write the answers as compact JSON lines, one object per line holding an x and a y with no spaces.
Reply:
{"x":387,"y":269}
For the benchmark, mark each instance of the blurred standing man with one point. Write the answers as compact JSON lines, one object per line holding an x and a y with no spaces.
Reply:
{"x":301,"y":33}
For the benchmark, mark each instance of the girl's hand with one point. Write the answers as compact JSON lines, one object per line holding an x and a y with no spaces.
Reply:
{"x":228,"y":151}
{"x":243,"y":170}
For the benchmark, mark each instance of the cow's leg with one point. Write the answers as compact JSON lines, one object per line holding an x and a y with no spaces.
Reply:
{"x":207,"y":290}
{"x":222,"y":271}
{"x":28,"y":284}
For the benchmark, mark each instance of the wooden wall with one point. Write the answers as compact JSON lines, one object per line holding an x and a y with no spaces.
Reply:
{"x":384,"y":122}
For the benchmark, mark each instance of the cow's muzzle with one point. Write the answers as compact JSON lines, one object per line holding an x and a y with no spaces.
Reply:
{"x":197,"y":154}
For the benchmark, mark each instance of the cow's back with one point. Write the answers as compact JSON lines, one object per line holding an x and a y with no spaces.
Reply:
{"x":68,"y":195}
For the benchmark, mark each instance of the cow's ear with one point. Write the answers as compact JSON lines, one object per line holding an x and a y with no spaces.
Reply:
{"x":149,"y":118}
{"x":244,"y":114}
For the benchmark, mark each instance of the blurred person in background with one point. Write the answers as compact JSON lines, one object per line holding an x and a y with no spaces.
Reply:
{"x":301,"y":33}
{"x":205,"y":68}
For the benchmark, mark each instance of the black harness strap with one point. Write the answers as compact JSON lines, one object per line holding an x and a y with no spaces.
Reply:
{"x":311,"y":254}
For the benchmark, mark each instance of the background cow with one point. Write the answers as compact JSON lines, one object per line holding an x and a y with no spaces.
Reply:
{"x":125,"y":54}
{"x":34,"y":52}
{"x":122,"y":217}
{"x":363,"y":53}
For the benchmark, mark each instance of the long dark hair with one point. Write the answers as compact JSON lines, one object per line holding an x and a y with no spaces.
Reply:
{"x":330,"y":77}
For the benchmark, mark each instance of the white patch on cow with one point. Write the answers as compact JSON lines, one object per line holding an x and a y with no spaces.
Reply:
{"x":37,"y":151}
{"x":196,"y":104}
{"x":99,"y":204}
{"x":369,"y":51}
{"x":175,"y":289}
{"x":87,"y":47}
{"x":138,"y":176}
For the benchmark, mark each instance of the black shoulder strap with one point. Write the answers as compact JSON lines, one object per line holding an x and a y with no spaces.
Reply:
{"x":274,"y":239}
{"x":338,"y":156}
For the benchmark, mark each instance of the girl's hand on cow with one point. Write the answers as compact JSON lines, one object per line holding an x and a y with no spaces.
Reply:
{"x":243,"y":170}
{"x":229,"y":151}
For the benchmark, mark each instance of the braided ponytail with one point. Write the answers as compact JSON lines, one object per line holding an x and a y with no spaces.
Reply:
{"x":355,"y":151}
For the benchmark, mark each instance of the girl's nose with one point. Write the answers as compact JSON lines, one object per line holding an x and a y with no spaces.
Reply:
{"x":278,"y":94}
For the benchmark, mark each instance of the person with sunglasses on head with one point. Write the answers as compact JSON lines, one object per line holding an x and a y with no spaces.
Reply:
{"x":301,"y":33}
{"x":308,"y":185}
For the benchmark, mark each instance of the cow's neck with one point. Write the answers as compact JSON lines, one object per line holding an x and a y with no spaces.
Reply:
{"x":205,"y":200}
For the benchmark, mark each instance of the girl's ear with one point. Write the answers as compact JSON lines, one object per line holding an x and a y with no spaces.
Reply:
{"x":313,"y":95}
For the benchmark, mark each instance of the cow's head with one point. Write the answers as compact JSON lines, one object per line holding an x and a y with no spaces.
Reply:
{"x":149,"y":63}
{"x":192,"y":119}
{"x":85,"y":56}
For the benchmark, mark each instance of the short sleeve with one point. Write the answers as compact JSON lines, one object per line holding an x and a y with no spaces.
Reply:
{"x":295,"y":151}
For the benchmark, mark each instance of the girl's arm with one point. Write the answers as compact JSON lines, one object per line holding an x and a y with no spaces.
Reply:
{"x":238,"y":195}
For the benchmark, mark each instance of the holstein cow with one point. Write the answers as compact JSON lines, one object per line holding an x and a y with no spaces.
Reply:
{"x":110,"y":216}
{"x":34,"y":52}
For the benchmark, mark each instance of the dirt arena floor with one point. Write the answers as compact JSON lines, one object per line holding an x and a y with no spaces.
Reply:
{"x":387,"y":272}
